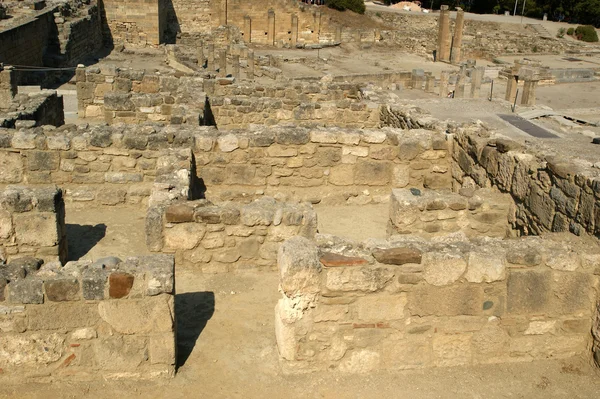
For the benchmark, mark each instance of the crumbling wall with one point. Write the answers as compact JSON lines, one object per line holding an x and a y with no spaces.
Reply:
{"x":135,"y":22}
{"x":32,"y":223}
{"x":219,"y":238}
{"x":550,"y":193}
{"x":326,"y":164}
{"x":108,"y":319}
{"x":427,"y":213}
{"x":26,"y":43}
{"x":409,"y":303}
{"x":98,"y":165}
{"x":135,"y":96}
{"x":36,"y":109}
{"x":80,"y":37}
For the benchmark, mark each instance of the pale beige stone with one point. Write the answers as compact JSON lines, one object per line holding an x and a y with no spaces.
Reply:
{"x":443,"y":268}
{"x":184,"y":235}
{"x":486,"y":267}
{"x":381,"y":307}
{"x":139,"y":316}
{"x":360,"y":361}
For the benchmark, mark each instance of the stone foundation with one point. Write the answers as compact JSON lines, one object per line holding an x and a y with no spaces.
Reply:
{"x":109,"y":319}
{"x":32,"y":223}
{"x":409,"y":303}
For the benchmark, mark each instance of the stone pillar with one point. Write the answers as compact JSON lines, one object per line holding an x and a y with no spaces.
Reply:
{"x":210,"y":61}
{"x":317,"y":26}
{"x":429,"y":83}
{"x":8,"y":85}
{"x":459,"y":89}
{"x":338,"y":34}
{"x":443,"y":46}
{"x":235,"y":61}
{"x":455,"y":56}
{"x":476,"y":78}
{"x":294,"y":30}
{"x":201,"y":58}
{"x":511,"y":88}
{"x":271,"y":29}
{"x":444,"y":84}
{"x":417,"y":79}
{"x":247,"y":29}
{"x":223,"y":13}
{"x":250,"y":74}
{"x":223,"y":63}
{"x":528,"y":97}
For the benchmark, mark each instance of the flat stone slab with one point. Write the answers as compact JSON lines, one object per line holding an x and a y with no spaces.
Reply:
{"x":335,"y":260}
{"x":397,"y":256}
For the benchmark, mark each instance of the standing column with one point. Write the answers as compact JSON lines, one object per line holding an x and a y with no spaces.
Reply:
{"x":476,"y":78}
{"x":294,"y":30}
{"x":317,"y":26}
{"x":455,"y":56}
{"x":444,"y":84}
{"x":528,"y":97}
{"x":511,"y":88}
{"x":429,"y":83}
{"x":223,"y":63}
{"x":250,"y":74}
{"x":235,"y":61}
{"x":201,"y":55}
{"x":8,"y":84}
{"x":417,"y":79}
{"x":247,"y":29}
{"x":443,"y":48}
{"x":459,"y":89}
{"x":271,"y":29}
{"x":338,"y":34}
{"x":223,"y":13}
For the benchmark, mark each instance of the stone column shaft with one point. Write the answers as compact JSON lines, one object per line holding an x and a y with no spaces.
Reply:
{"x":455,"y":56}
{"x":247,"y":29}
{"x":444,"y":84}
{"x":511,"y":88}
{"x":201,"y":58}
{"x":459,"y":89}
{"x":235,"y":61}
{"x":223,"y":63}
{"x":271,"y":28}
{"x":317,"y":26}
{"x":8,"y":85}
{"x":338,"y":34}
{"x":250,"y":74}
{"x":429,"y":83}
{"x":528,"y":97}
{"x":210,"y":63}
{"x":476,"y":78}
{"x":223,"y":13}
{"x":294,"y":30}
{"x":443,"y":48}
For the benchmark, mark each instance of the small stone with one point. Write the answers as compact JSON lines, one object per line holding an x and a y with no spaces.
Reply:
{"x":92,"y":284}
{"x":596,"y":140}
{"x":26,"y":291}
{"x":335,"y":260}
{"x":29,"y":264}
{"x":397,"y":256}
{"x":119,"y":284}
{"x":415,"y":191}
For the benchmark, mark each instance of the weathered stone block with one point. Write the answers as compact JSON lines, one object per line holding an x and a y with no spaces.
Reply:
{"x":485,"y":267}
{"x":299,"y":267}
{"x":26,"y":291}
{"x":184,"y":235}
{"x":381,"y":307}
{"x":36,"y":229}
{"x":366,"y":279}
{"x":42,"y":160}
{"x":62,"y":290}
{"x":11,"y":167}
{"x":149,"y":315}
{"x":373,"y":173}
{"x":120,"y":284}
{"x":442,"y":268}
{"x":161,"y":349}
{"x":398,"y":255}
{"x":528,"y":291}
{"x":454,"y":300}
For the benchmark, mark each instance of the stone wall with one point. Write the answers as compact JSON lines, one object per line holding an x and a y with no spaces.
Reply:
{"x":242,"y":111}
{"x":36,"y":109}
{"x":135,"y":96}
{"x":109,"y":319}
{"x":409,"y":303}
{"x":98,"y":165}
{"x":80,"y":37}
{"x":136,"y":22}
{"x":32,"y":223}
{"x":326,"y":164}
{"x":26,"y":43}
{"x":550,"y":193}
{"x":228,"y":237}
{"x":428,"y":213}
{"x":193,"y":16}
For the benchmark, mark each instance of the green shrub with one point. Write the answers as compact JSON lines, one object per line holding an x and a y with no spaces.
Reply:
{"x":571,"y":31}
{"x":352,"y":5}
{"x":586,"y":33}
{"x":561,"y":33}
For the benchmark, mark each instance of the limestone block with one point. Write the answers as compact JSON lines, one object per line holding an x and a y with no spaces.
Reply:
{"x":365,"y":279}
{"x":119,"y":352}
{"x":258,"y":213}
{"x":360,"y":361}
{"x":454,"y":300}
{"x":398,"y":255}
{"x":68,"y":315}
{"x":161,"y":349}
{"x":485,"y":267}
{"x":572,"y":293}
{"x":184,"y":235}
{"x":443,"y":268}
{"x":381,"y":307}
{"x":528,"y":291}
{"x":562,"y":260}
{"x":37,"y":349}
{"x":406,"y":353}
{"x":373,"y":136}
{"x":323,"y":136}
{"x":36,"y":229}
{"x":6,"y":225}
{"x":63,"y":289}
{"x":285,"y":332}
{"x":372,"y":173}
{"x":139,"y":316}
{"x":452,"y":350}
{"x":228,"y":143}
{"x":26,"y":291}
{"x":341,"y":175}
{"x":11,"y":167}
{"x":400,"y":176}
{"x":299,"y":267}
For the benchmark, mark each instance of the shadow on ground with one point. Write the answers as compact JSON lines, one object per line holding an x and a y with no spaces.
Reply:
{"x":82,"y":238}
{"x":193,"y":310}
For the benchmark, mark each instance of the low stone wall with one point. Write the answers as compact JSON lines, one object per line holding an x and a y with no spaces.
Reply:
{"x":409,"y":303}
{"x":32,"y":223}
{"x":227,"y":237}
{"x":42,"y":108}
{"x":429,"y":213}
{"x":550,"y":193}
{"x":134,"y":96}
{"x":296,"y":91}
{"x":110,"y":319}
{"x":241,"y":112}
{"x":336,"y":165}
{"x":94,"y":165}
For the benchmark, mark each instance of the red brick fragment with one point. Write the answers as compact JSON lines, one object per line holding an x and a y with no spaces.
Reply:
{"x":69,"y":360}
{"x":120,"y":284}
{"x":336,"y":260}
{"x":363,"y":325}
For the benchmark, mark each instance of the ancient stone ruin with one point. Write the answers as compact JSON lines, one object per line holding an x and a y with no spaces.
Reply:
{"x":214,"y":140}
